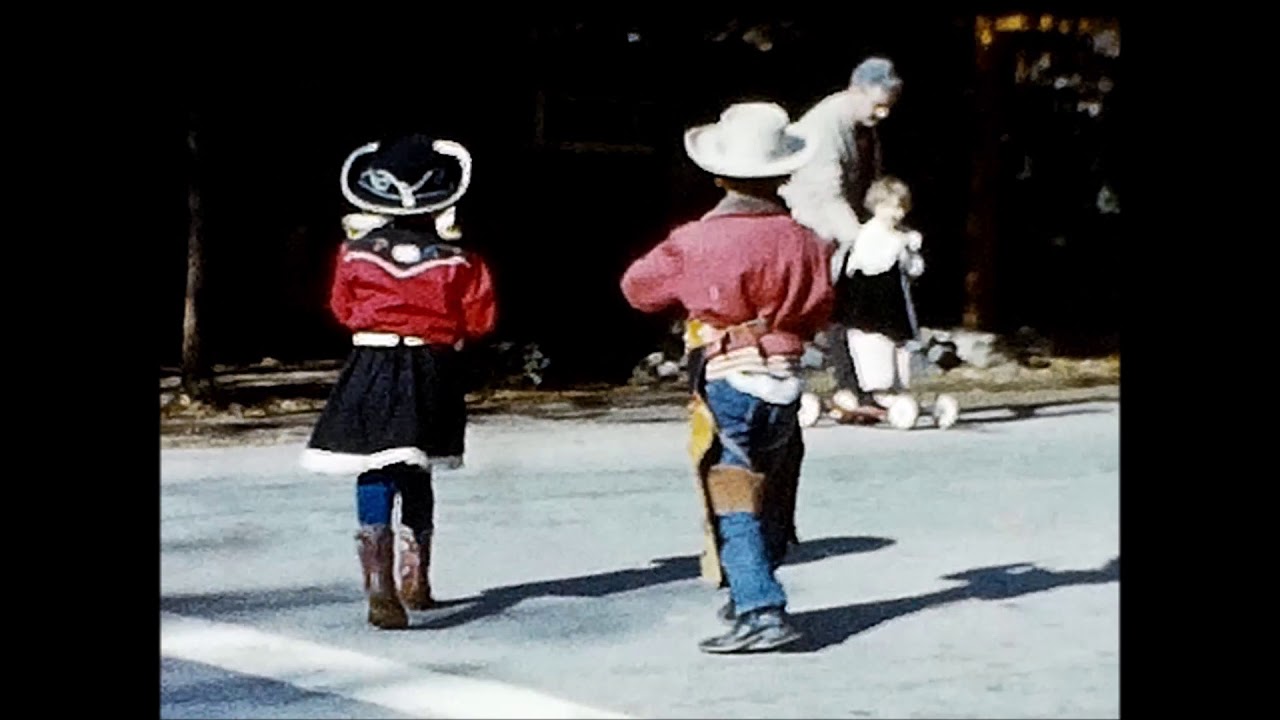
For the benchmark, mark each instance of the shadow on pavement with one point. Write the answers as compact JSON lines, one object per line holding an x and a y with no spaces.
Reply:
{"x":491,"y":602}
{"x":666,"y":570}
{"x":832,"y":626}
{"x":214,"y":604}
{"x":1023,"y":412}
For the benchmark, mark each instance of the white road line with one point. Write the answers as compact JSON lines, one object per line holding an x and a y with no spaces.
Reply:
{"x":321,"y":668}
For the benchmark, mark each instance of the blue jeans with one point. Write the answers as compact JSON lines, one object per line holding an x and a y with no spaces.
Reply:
{"x":376,"y":489}
{"x":758,"y":436}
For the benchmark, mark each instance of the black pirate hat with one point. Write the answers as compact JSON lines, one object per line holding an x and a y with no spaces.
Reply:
{"x":407,"y":175}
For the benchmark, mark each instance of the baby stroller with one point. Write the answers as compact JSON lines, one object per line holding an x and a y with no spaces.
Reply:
{"x":873,"y":372}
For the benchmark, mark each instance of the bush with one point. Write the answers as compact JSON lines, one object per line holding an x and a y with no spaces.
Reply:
{"x":506,"y":365}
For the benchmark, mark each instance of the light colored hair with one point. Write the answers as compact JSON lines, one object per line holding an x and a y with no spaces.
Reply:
{"x":877,"y":72}
{"x":888,"y":189}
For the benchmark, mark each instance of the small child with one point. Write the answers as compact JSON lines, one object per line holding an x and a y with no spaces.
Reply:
{"x":754,"y":285}
{"x":873,"y":276}
{"x":411,"y":300}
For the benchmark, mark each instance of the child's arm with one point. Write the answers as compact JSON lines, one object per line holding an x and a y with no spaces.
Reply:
{"x":479,"y":302}
{"x":810,"y":297}
{"x":340,"y":291}
{"x":914,"y":240}
{"x":914,"y":265}
{"x":911,"y":259}
{"x":649,"y":284}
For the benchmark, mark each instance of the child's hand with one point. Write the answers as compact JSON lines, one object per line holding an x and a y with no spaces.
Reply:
{"x":913,"y":264}
{"x":914,"y":240}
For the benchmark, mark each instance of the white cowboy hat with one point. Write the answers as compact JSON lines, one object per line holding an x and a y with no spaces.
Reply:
{"x":751,"y":140}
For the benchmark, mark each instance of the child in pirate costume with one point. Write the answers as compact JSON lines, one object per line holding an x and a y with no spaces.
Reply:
{"x":755,"y":286}
{"x":411,"y":299}
{"x":876,"y":309}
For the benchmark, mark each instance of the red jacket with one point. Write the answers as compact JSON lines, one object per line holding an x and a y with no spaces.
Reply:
{"x":744,"y":260}
{"x":443,"y":297}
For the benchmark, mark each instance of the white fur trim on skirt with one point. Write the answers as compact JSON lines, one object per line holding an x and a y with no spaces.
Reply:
{"x":336,"y":463}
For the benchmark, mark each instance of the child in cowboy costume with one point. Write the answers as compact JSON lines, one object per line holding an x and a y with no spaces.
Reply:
{"x":755,"y":286}
{"x":412,"y":299}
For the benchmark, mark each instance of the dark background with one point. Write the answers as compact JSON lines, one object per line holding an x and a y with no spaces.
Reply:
{"x":563,"y":199}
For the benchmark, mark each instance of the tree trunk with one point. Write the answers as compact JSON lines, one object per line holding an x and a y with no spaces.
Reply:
{"x":195,"y":378}
{"x":984,"y":182}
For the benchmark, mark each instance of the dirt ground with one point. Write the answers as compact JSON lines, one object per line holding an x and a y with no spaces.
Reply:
{"x":272,"y":404}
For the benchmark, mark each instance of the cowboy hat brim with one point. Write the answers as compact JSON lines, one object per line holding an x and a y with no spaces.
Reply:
{"x":358,"y":160}
{"x":700,"y":146}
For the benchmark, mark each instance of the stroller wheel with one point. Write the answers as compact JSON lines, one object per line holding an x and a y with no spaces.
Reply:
{"x":945,"y":411}
{"x":845,"y":400}
{"x":903,"y":412}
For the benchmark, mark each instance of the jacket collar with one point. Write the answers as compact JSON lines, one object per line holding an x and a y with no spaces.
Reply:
{"x":738,"y":204}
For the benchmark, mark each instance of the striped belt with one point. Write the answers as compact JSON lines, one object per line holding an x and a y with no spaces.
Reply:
{"x":718,"y":341}
{"x":380,"y":339}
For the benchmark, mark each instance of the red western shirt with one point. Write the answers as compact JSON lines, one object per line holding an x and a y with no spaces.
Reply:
{"x":747,"y":259}
{"x":444,"y":297}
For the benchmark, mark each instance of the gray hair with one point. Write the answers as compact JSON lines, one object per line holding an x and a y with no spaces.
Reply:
{"x":876,"y":72}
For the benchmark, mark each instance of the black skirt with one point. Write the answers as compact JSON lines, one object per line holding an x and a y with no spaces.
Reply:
{"x":874,"y":303}
{"x":392,"y":405}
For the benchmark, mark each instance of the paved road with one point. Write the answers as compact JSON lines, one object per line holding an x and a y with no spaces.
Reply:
{"x":972,"y":572}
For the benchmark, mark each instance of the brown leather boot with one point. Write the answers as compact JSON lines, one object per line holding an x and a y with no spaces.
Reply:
{"x":377,"y":559}
{"x":413,"y":568}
